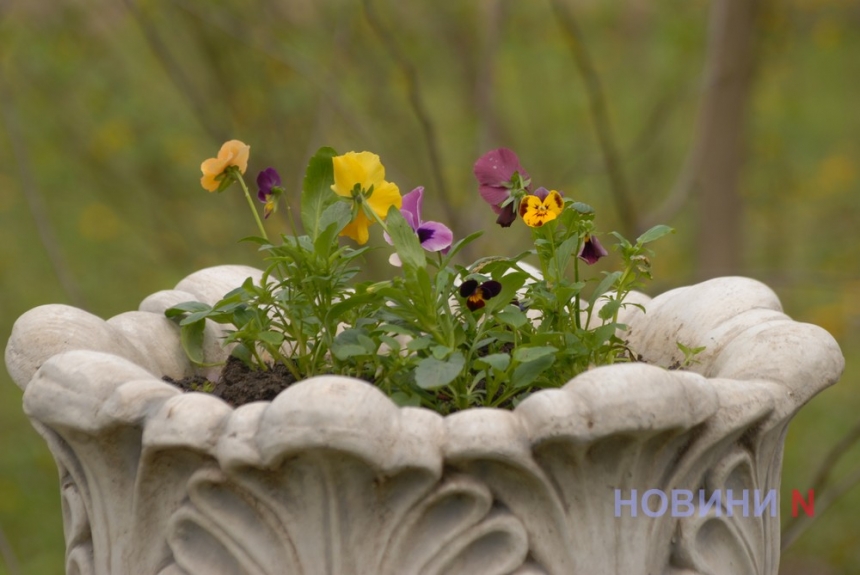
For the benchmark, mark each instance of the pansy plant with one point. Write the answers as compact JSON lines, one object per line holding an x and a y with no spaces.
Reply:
{"x":436,"y":333}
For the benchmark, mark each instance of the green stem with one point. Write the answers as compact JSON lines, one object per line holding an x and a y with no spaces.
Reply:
{"x":620,"y":293}
{"x":241,"y":180}
{"x":576,"y":301}
{"x":376,"y":217}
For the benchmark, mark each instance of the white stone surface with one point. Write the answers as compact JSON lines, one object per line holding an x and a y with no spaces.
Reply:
{"x":331,"y":477}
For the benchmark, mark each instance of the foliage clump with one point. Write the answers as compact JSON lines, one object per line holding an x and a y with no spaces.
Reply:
{"x":437,"y":334}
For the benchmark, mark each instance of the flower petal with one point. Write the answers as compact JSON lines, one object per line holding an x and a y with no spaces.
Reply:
{"x":372,"y":167}
{"x":266,"y":180}
{"x":347,"y":172}
{"x":385,"y":194}
{"x":591,"y":250}
{"x":235,"y":153}
{"x":362,"y":168}
{"x":357,"y":228}
{"x":435,"y":236}
{"x":507,"y":215}
{"x":269,"y":208}
{"x":491,"y":288}
{"x":468,"y":288}
{"x":211,"y":168}
{"x":497,"y":166}
{"x":541,"y":193}
{"x":412,"y":203}
{"x":494,"y":195}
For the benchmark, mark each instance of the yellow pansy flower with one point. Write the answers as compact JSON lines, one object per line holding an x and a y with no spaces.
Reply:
{"x":232,"y":153}
{"x":361,"y":177}
{"x":541,"y":207}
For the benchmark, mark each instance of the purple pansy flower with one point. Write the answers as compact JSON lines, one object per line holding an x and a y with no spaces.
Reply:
{"x":591,"y":250}
{"x":433,"y":236}
{"x":496,"y":173}
{"x":269,"y":184}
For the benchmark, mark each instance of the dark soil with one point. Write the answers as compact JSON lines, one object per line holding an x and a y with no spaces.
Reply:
{"x":239,"y":384}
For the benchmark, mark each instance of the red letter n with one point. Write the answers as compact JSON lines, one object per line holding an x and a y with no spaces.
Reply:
{"x":808,"y":507}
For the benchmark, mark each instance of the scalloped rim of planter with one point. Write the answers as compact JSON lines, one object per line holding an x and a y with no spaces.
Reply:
{"x":780,"y":362}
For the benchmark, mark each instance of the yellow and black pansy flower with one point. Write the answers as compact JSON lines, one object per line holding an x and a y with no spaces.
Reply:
{"x":541,"y":207}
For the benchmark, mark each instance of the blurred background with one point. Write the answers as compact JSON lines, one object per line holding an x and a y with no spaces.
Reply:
{"x":734,"y":121}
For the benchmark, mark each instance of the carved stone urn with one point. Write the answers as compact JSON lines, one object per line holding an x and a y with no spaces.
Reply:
{"x":332,"y":477}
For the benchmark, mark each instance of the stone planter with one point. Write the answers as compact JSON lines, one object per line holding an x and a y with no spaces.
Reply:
{"x":332,"y":477}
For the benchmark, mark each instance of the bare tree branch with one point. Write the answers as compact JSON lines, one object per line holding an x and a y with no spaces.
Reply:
{"x":599,"y":116}
{"x":419,"y":108}
{"x":795,"y":526}
{"x":8,"y":555}
{"x":176,"y":74}
{"x":823,"y":501}
{"x":308,"y":70}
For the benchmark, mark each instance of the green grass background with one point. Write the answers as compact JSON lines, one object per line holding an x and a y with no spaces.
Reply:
{"x":109,"y":110}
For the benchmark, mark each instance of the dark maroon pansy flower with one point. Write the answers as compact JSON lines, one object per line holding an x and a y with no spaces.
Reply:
{"x":507,"y":216}
{"x":269,"y":188}
{"x":591,"y":250}
{"x":477,"y":294}
{"x":495,"y":172}
{"x":266,"y":180}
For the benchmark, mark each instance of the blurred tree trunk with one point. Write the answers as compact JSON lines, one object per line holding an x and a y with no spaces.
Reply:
{"x":718,"y":148}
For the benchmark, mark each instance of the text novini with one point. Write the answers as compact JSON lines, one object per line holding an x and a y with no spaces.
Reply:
{"x":686,"y":503}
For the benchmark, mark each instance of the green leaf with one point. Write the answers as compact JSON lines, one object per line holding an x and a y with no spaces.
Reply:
{"x":603,"y":286}
{"x":654,"y":233}
{"x":529,"y":354}
{"x":350,"y":343}
{"x":432,"y":373}
{"x":582,"y":208}
{"x":512,"y":317}
{"x":271,"y":337}
{"x":419,"y":343}
{"x":405,"y":240}
{"x":690,"y":350}
{"x":191,"y":337}
{"x":337,"y":311}
{"x":459,"y":245}
{"x":565,"y":251}
{"x":332,"y":221}
{"x":257,"y":240}
{"x":398,"y":329}
{"x":510,"y":284}
{"x":186,"y":307}
{"x":344,"y":351}
{"x":194,"y":317}
{"x":242,"y":352}
{"x":440,"y":351}
{"x":498,"y":361}
{"x":317,"y":194}
{"x":603,"y":333}
{"x":367,"y":343}
{"x":392,"y":343}
{"x":526,"y":373}
{"x":609,"y":309}
{"x":405,"y":400}
{"x":243,"y":316}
